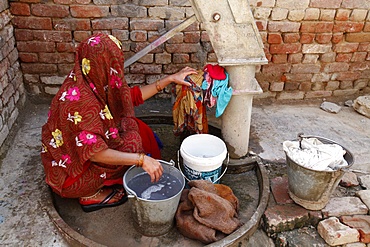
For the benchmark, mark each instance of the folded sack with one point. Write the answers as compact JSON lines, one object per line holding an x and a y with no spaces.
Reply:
{"x":207,"y":212}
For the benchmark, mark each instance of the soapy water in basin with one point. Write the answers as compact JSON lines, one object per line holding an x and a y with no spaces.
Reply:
{"x":166,"y":187}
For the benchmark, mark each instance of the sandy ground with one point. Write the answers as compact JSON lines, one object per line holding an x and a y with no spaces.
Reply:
{"x":24,"y":223}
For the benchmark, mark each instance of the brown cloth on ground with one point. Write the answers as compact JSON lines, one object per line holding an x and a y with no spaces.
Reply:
{"x":207,"y":212}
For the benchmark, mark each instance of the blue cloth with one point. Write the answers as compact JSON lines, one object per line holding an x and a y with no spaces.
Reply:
{"x":223,"y":93}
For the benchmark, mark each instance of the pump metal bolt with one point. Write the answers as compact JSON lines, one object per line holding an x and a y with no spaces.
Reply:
{"x":216,"y":16}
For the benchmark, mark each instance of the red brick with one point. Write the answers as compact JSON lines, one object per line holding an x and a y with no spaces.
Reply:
{"x":291,"y":86}
{"x":359,"y":56}
{"x":181,"y":58}
{"x":145,"y":69}
{"x":347,"y":76}
{"x":305,"y":68}
{"x":279,"y":189}
{"x":358,"y":37}
{"x":56,"y":57}
{"x":364,"y":46}
{"x":317,"y":27}
{"x":285,"y":48}
{"x":35,"y":46}
{"x":64,"y":69}
{"x":279,"y":58}
{"x":295,"y":58}
{"x":318,"y":94}
{"x":183,"y":48}
{"x":367,"y":27}
{"x":48,"y":10}
{"x":337,"y":37}
{"x":350,"y":27}
{"x":275,"y":68}
{"x":271,"y":76}
{"x":361,"y":223}
{"x":71,"y":24}
{"x":343,"y":57}
{"x":28,"y":57}
{"x":345,"y":47}
{"x":261,"y":25}
{"x":110,"y":23}
{"x":32,"y":23}
{"x":196,"y":58}
{"x":138,"y":46}
{"x":53,"y":36}
{"x":173,"y":68}
{"x":23,"y":34}
{"x":274,"y":38}
{"x":355,"y":66}
{"x":83,"y":1}
{"x":20,"y":9}
{"x":307,"y":38}
{"x":278,"y":26}
{"x":176,"y":39}
{"x":39,"y":68}
{"x":138,"y":35}
{"x":343,"y":14}
{"x":66,"y":2}
{"x":286,"y":217}
{"x":327,"y":4}
{"x":323,"y":38}
{"x":89,"y":11}
{"x":81,"y":35}
{"x":171,"y":24}
{"x":291,"y":37}
{"x":192,"y":37}
{"x":149,"y":25}
{"x":335,"y":67}
{"x":305,"y":86}
{"x":298,"y":77}
{"x":65,"y":47}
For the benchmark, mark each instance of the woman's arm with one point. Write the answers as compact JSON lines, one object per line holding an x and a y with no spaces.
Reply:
{"x":178,"y":78}
{"x":115,"y":157}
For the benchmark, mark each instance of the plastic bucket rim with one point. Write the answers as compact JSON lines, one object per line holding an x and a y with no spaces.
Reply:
{"x":189,"y":138}
{"x":203,"y":164}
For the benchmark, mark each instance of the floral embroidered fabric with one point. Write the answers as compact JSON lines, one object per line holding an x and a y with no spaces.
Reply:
{"x":92,"y":111}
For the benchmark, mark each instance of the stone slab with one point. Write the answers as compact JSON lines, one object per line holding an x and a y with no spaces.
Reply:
{"x":339,"y":206}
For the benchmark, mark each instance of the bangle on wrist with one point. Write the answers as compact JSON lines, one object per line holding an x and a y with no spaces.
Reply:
{"x":158,"y":86}
{"x":140,"y":161}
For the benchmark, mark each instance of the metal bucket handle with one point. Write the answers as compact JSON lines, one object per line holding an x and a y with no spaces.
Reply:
{"x":188,"y":180}
{"x":132,"y":195}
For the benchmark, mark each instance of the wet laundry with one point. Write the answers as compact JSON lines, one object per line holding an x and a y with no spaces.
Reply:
{"x":189,"y":112}
{"x":313,"y":154}
{"x":209,"y":89}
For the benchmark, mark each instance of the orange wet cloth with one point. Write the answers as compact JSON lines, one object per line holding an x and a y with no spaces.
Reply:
{"x":189,"y":110}
{"x":207,"y":212}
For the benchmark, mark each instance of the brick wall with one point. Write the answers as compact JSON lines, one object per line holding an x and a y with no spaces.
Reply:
{"x":12,"y":93}
{"x":315,"y":48}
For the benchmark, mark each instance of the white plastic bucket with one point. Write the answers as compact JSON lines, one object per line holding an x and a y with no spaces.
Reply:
{"x":203,"y":155}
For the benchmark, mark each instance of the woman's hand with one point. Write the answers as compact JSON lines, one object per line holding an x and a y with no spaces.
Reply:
{"x":153,"y":168}
{"x":179,"y":77}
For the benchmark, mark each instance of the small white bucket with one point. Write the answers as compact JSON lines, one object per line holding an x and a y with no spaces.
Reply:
{"x":203,"y":156}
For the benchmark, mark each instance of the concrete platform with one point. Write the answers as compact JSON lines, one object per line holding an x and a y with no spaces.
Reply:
{"x":23,"y":222}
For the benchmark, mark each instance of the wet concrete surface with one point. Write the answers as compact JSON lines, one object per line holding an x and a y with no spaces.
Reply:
{"x":23,"y":222}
